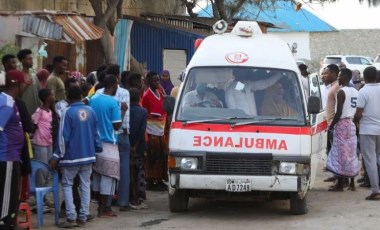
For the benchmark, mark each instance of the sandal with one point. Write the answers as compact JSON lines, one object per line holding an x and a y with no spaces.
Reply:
{"x":107,"y":214}
{"x":373,"y":196}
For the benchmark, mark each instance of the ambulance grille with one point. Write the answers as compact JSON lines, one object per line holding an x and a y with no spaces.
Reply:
{"x":239,"y":164}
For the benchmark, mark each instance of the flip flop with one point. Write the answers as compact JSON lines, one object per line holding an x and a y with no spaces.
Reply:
{"x":373,"y":196}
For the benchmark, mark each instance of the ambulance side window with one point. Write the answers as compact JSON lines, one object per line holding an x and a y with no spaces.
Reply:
{"x":315,"y":87}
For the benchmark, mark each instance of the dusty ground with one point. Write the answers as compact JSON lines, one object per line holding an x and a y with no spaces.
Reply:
{"x":327,"y":210}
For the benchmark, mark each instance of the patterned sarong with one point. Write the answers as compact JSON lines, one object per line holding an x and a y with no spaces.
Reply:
{"x":108,"y":161}
{"x":342,"y":159}
{"x":157,"y":157}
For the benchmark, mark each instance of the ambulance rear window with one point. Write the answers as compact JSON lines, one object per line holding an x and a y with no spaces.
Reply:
{"x":228,"y":94}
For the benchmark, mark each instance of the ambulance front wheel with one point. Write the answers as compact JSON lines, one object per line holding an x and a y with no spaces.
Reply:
{"x":178,"y":201}
{"x":298,"y":206}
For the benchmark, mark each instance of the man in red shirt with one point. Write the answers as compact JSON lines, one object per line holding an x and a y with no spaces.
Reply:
{"x":152,"y":101}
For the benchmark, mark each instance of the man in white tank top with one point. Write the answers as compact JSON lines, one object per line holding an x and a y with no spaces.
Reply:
{"x":342,"y":159}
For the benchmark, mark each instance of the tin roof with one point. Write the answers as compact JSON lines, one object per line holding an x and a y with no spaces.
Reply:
{"x":54,"y":25}
{"x":41,"y":27}
{"x":78,"y":28}
{"x":282,"y":14}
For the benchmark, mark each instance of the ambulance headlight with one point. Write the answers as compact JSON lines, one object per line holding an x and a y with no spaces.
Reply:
{"x":288,"y":167}
{"x":189,"y":163}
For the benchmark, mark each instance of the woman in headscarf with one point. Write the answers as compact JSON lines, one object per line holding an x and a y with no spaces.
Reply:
{"x":274,"y":103}
{"x":165,"y":82}
{"x":78,"y":76}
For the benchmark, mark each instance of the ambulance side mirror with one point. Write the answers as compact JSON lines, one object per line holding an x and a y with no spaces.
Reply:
{"x":169,"y":103}
{"x":313,"y":105}
{"x":181,"y":76}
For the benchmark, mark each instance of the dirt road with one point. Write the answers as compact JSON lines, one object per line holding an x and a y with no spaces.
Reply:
{"x":327,"y":210}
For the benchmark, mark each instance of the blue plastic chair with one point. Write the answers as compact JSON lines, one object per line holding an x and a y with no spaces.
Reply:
{"x":40,"y":192}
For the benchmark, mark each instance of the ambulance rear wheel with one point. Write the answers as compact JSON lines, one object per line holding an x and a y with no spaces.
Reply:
{"x":179,"y":201}
{"x":298,"y":206}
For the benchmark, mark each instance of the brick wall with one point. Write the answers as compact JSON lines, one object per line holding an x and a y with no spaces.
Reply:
{"x":364,"y":42}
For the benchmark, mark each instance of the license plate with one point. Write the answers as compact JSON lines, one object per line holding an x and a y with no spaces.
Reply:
{"x":238,"y":185}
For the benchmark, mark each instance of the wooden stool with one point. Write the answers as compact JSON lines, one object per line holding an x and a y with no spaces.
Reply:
{"x":24,"y":207}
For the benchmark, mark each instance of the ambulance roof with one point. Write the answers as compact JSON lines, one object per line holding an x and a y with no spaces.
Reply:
{"x":259,"y":50}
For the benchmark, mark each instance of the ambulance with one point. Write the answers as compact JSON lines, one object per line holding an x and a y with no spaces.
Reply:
{"x":244,"y":125}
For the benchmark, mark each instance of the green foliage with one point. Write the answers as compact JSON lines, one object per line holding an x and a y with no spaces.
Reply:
{"x":8,"y":49}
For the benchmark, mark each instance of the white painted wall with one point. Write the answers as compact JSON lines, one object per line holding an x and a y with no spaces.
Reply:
{"x":301,"y":38}
{"x":175,"y":62}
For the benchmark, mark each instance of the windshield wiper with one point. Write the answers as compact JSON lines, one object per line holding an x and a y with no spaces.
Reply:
{"x":214,"y":119}
{"x":268,"y":120}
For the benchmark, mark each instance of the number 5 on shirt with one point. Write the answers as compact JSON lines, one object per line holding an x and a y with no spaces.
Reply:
{"x":353,"y":102}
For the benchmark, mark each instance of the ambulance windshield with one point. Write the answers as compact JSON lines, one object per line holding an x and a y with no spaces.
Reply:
{"x":215,"y":93}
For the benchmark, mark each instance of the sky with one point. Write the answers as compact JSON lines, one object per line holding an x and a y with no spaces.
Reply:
{"x":347,"y":14}
{"x":343,"y":14}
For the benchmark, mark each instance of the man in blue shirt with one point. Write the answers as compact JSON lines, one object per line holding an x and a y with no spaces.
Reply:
{"x":78,"y":142}
{"x":107,"y":167}
{"x":122,"y":97}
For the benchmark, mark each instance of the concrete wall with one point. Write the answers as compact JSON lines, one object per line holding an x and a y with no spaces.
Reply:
{"x":9,"y":27}
{"x":301,"y":39}
{"x":130,"y":7}
{"x":355,"y":42}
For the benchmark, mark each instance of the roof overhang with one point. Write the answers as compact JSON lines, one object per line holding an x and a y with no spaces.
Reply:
{"x":61,"y":27}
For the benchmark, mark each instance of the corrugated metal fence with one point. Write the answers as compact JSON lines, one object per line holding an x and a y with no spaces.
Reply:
{"x":148,"y":41}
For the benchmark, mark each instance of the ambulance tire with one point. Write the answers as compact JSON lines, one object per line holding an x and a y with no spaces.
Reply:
{"x":179,"y":201}
{"x":298,"y":206}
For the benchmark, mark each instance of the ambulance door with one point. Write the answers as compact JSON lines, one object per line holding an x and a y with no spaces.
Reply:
{"x":318,"y":130}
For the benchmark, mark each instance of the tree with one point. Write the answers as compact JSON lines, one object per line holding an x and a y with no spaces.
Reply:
{"x":106,"y":14}
{"x":227,"y":9}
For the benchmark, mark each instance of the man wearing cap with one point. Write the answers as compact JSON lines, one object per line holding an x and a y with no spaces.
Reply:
{"x":305,"y":79}
{"x":201,"y":97}
{"x":11,"y":143}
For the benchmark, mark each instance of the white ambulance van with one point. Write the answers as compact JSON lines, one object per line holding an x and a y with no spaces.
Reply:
{"x":242,"y":126}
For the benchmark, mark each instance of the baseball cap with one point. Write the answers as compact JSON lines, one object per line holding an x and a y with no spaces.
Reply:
{"x":14,"y":76}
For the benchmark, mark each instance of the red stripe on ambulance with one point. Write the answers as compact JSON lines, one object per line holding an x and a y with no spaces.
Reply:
{"x":252,"y":128}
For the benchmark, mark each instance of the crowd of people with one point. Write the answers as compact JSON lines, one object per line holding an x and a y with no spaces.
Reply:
{"x":105,"y":134}
{"x":353,"y":118}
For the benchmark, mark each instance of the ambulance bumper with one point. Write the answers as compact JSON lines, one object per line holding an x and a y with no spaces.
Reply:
{"x":289,"y":183}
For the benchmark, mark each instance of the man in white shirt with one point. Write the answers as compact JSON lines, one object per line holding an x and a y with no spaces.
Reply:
{"x":368,"y":113}
{"x":240,"y":94}
{"x":305,"y":79}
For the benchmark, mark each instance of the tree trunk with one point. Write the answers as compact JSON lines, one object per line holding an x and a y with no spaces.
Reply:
{"x":136,"y":67}
{"x":107,"y":44}
{"x":101,"y":21}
